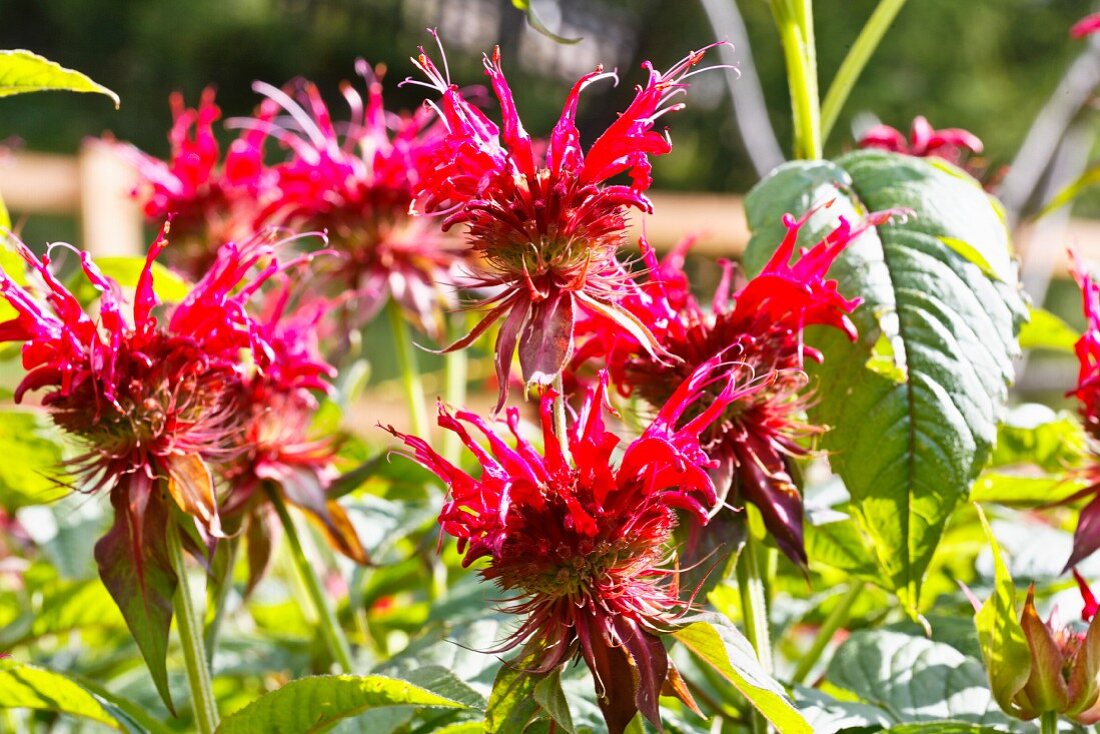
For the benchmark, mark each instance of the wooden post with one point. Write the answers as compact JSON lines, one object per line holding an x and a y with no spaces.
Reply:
{"x":111,"y":221}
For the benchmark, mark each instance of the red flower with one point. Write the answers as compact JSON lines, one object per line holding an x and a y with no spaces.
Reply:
{"x":210,"y":204}
{"x":1086,"y":539}
{"x":354,"y":181}
{"x":546,"y":227}
{"x":924,"y":141}
{"x":584,"y":546}
{"x":1088,"y":25}
{"x":759,"y":328}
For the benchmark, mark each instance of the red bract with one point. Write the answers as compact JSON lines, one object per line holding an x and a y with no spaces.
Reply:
{"x":546,"y":227}
{"x":1086,"y":26}
{"x":152,"y":403}
{"x":584,"y":546}
{"x":354,"y":181}
{"x":948,"y":144}
{"x":1086,"y":539}
{"x":759,"y":328}
{"x":211,"y":204}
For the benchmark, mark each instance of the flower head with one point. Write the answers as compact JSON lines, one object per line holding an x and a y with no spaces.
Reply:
{"x":1086,"y":26}
{"x":584,"y":545}
{"x":546,"y":226}
{"x":950,"y":144}
{"x":354,"y":180}
{"x":760,"y":330}
{"x":210,"y":204}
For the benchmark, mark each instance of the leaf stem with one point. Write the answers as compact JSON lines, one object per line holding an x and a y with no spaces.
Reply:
{"x":454,"y":384}
{"x":189,"y":626}
{"x":837,"y":618}
{"x":858,"y":56}
{"x":561,"y":423}
{"x":330,"y":627}
{"x":754,"y":608}
{"x":794,"y":18}
{"x":410,"y":370}
{"x":1048,"y":722}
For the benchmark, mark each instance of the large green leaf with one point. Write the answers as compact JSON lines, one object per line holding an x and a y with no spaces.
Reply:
{"x":30,"y":687}
{"x":513,"y":702}
{"x":890,"y":678}
{"x":714,"y":640}
{"x":37,"y":477}
{"x":315,"y":703}
{"x":71,"y":606}
{"x":914,"y":403}
{"x":169,"y":287}
{"x":22,"y":71}
{"x":1044,"y":330}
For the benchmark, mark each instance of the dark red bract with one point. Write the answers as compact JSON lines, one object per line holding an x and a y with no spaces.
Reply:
{"x":950,"y":144}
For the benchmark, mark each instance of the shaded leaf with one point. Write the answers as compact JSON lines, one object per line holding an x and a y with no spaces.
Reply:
{"x":551,"y":697}
{"x":512,"y":703}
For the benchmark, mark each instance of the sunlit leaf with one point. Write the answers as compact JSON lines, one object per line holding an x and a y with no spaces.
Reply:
{"x":30,"y":687}
{"x":23,"y":71}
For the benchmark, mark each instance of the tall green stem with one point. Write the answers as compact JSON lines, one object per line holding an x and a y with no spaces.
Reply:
{"x":794,"y":19}
{"x":852,"y":66}
{"x":330,"y":627}
{"x":189,"y":625}
{"x":1048,"y":723}
{"x":754,"y":607}
{"x":410,"y":371}
{"x":561,"y":423}
{"x":836,"y":619}
{"x":454,"y":386}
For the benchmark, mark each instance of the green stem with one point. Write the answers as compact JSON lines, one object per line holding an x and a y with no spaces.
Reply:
{"x":454,"y":385}
{"x":794,"y":19}
{"x":330,"y":627}
{"x":1048,"y":722}
{"x":410,"y":371}
{"x":561,"y":423}
{"x":210,"y":639}
{"x":852,"y":66}
{"x":754,"y":607}
{"x":836,"y":619}
{"x":189,"y":626}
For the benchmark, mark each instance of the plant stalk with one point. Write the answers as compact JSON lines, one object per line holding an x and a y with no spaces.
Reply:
{"x":852,"y":66}
{"x":330,"y":627}
{"x":454,"y":384}
{"x":189,"y":621}
{"x":1048,"y":722}
{"x":410,"y":371}
{"x":794,"y":18}
{"x":836,"y":619}
{"x":754,"y":608}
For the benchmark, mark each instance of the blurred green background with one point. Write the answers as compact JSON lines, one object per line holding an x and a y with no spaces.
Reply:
{"x":986,"y":65}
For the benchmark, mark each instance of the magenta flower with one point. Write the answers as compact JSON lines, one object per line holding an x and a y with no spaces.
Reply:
{"x":760,"y":330}
{"x":950,"y":144}
{"x":210,"y":204}
{"x":546,"y":227}
{"x":151,"y":402}
{"x":354,"y":181}
{"x":1086,"y":26}
{"x":584,"y":546}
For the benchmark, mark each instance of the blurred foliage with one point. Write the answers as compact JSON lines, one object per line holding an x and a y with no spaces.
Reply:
{"x":986,"y":65}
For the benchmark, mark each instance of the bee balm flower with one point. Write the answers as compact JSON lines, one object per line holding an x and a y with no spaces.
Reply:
{"x":546,"y":227}
{"x":949,"y":144}
{"x":584,"y":546}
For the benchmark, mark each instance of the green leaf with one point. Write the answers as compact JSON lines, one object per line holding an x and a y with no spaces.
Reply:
{"x":551,"y":697}
{"x":942,"y":727}
{"x":1000,"y":635}
{"x":714,"y":640}
{"x":37,"y":477}
{"x":535,"y":22}
{"x":169,"y":287}
{"x":22,"y":71}
{"x":1014,"y":489}
{"x":312,"y":704}
{"x":908,"y":440}
{"x":1071,"y":191}
{"x":512,"y":704}
{"x":1044,"y":330}
{"x":841,"y":545}
{"x":1034,"y":435}
{"x":74,"y":606}
{"x":31,"y":687}
{"x":911,"y":679}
